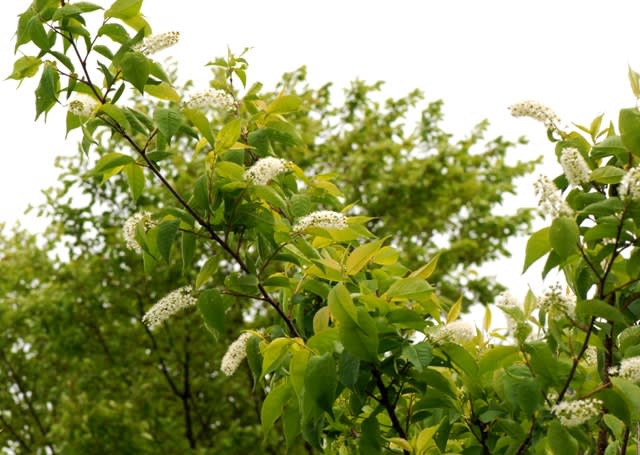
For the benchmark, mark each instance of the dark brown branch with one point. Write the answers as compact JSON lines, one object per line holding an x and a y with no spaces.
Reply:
{"x":187,"y":394}
{"x":388,"y":405}
{"x":576,"y":361}
{"x":525,"y":444}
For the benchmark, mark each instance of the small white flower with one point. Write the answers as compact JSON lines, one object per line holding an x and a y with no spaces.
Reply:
{"x":235,"y":354}
{"x":537,"y":111}
{"x":266,"y":169}
{"x":590,"y":356}
{"x":82,"y":105}
{"x":211,"y":98}
{"x":169,"y":305}
{"x":327,"y":219}
{"x":458,"y":332}
{"x":550,"y":201}
{"x":556,"y":303}
{"x":628,"y":369}
{"x":156,"y":43}
{"x":575,"y":167}
{"x":630,"y":185}
{"x":574,"y":413}
{"x":129,"y":229}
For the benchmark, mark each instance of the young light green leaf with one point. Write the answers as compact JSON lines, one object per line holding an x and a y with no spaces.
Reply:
{"x":341,"y":305}
{"x":135,"y":69}
{"x":361,"y":255}
{"x":629,"y":124}
{"x":167,"y":232}
{"x":135,"y":177}
{"x":168,"y":120}
{"x":124,"y":9}
{"x":538,"y":245}
{"x":212,"y":309}
{"x":564,"y":236}
{"x":25,"y":66}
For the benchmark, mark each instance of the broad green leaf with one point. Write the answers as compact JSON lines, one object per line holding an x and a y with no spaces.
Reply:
{"x":243,"y":283}
{"x":497,"y":357}
{"x":408,"y":288}
{"x":228,"y":135}
{"x":299,"y":205}
{"x":116,"y":32}
{"x":634,"y":80}
{"x":207,"y":270}
{"x":201,"y":122}
{"x":629,"y":337}
{"x":230,"y":170}
{"x":371,"y":441}
{"x":168,"y":120}
{"x":124,"y":9}
{"x":135,"y":178}
{"x":135,"y":69}
{"x":212,"y":309}
{"x":426,"y":270}
{"x":47,"y":90}
{"x":610,"y":146}
{"x":419,"y":354}
{"x":538,"y":245}
{"x":564,"y":236}
{"x":607,"y":174}
{"x":116,"y":114}
{"x":386,"y":256}
{"x":188,"y":245}
{"x":604,"y":208}
{"x":521,"y":389}
{"x":110,"y":161}
{"x":629,"y":124}
{"x":455,"y":310}
{"x":361,"y":255}
{"x":167,"y":231}
{"x":599,"y":308}
{"x":321,"y":319}
{"x":630,"y":392}
{"x":273,"y":405}
{"x":25,"y":66}
{"x":284,"y":104}
{"x":341,"y":305}
{"x":462,"y":358}
{"x":37,"y":33}
{"x":348,"y":369}
{"x":320,"y":382}
{"x":361,"y":339}
{"x":163,"y":91}
{"x":273,"y":352}
{"x":291,"y":420}
{"x":560,"y":441}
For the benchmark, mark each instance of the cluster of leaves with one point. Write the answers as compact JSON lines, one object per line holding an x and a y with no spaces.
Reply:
{"x":362,"y":355}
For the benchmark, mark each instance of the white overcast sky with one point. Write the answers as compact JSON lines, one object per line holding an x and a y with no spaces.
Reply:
{"x":478,"y":56}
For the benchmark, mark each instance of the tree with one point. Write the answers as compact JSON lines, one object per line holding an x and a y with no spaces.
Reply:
{"x":360,"y":354}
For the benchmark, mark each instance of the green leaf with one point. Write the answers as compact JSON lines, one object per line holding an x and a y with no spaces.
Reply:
{"x":124,"y":9}
{"x":273,"y":353}
{"x":230,"y":170}
{"x":348,"y":369}
{"x":521,"y":389}
{"x":111,"y":161}
{"x":47,"y":90}
{"x":360,"y":339}
{"x":116,"y":114}
{"x":630,"y":392}
{"x":462,"y":358}
{"x":299,"y":205}
{"x":135,"y":69}
{"x":228,"y":135}
{"x":563,"y":236}
{"x":497,"y":357}
{"x":116,"y":32}
{"x":538,"y":245}
{"x":284,"y":105}
{"x":634,"y":80}
{"x":371,"y":441}
{"x":408,"y":288}
{"x":212,"y":309}
{"x":426,"y":270}
{"x":22,"y":33}
{"x":604,"y":208}
{"x":361,"y":255}
{"x":419,"y":354}
{"x":600,"y":309}
{"x":37,"y":33}
{"x":320,"y":382}
{"x":273,"y":406}
{"x":629,"y":124}
{"x":163,"y":91}
{"x":607,"y":174}
{"x":341,"y":305}
{"x":610,"y":146}
{"x":207,"y":270}
{"x":135,"y":177}
{"x":169,"y":121}
{"x":167,"y":231}
{"x":188,"y":249}
{"x":25,"y":66}
{"x":243,"y":283}
{"x":201,"y":122}
{"x":560,"y":441}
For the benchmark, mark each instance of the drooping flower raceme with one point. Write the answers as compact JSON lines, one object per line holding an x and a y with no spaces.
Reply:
{"x":323,"y":219}
{"x":628,"y":369}
{"x":458,"y":332}
{"x":556,"y":303}
{"x":537,"y":111}
{"x":156,"y":43}
{"x":235,"y":354}
{"x":550,"y":201}
{"x":129,"y":229}
{"x":82,"y":105}
{"x":266,"y":169}
{"x":630,"y":185}
{"x":211,"y":98}
{"x":169,"y":305}
{"x":574,"y":413}
{"x":575,"y":167}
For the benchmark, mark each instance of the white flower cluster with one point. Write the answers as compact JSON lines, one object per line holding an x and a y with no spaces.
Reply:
{"x":458,"y":332}
{"x":235,"y":354}
{"x":169,"y":305}
{"x":590,"y":356}
{"x":537,"y":111}
{"x":266,"y":169}
{"x":156,"y":43}
{"x":129,"y":229}
{"x":550,"y":201}
{"x":82,"y":105}
{"x":574,"y":413}
{"x":628,"y":369}
{"x":211,"y":98}
{"x":556,"y":303}
{"x":630,"y":185}
{"x":575,"y":167}
{"x":327,"y":219}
